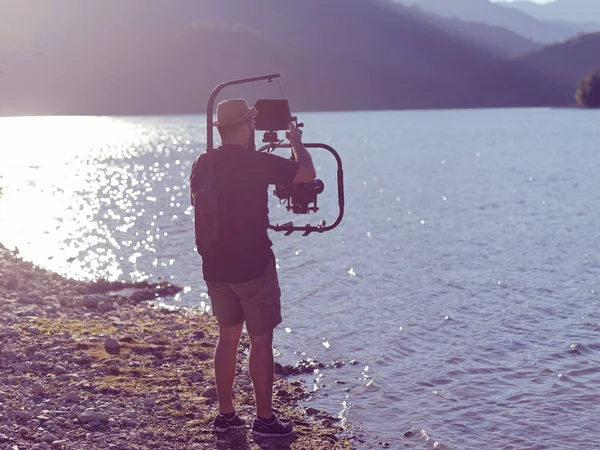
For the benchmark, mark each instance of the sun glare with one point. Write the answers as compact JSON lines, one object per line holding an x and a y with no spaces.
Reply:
{"x":41,"y":141}
{"x":48,"y":200}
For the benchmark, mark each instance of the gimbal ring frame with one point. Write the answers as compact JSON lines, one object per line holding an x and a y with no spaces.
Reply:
{"x":289,"y":228}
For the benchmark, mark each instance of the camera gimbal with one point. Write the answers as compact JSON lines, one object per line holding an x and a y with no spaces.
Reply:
{"x":300,"y":198}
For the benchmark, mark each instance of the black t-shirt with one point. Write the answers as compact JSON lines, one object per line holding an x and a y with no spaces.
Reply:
{"x":242,"y":177}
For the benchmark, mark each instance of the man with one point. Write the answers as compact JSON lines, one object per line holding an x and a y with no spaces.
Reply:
{"x":242,"y":278}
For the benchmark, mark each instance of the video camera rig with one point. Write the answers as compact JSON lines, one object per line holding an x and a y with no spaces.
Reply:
{"x":299,"y":198}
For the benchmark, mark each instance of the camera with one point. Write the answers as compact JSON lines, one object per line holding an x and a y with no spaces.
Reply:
{"x":273,"y":115}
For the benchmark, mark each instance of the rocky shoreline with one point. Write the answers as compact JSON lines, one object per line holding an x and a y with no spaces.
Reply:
{"x":83,"y":366}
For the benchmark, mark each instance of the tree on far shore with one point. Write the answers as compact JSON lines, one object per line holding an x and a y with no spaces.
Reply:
{"x":588,"y":91}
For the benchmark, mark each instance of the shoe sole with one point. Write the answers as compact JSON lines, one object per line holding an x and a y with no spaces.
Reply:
{"x":231,"y":427}
{"x":271,"y":435}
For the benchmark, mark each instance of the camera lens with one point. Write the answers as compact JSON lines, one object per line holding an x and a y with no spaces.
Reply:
{"x":317,"y":187}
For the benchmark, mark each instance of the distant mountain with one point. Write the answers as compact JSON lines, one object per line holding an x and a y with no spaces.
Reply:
{"x":158,"y":57}
{"x":584,"y":11}
{"x":151,"y":56}
{"x":559,"y":68}
{"x":497,"y":40}
{"x":578,"y":27}
{"x":497,"y":14}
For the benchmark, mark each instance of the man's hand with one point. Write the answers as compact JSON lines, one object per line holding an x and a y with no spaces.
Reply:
{"x":294,"y":135}
{"x":306,"y":170}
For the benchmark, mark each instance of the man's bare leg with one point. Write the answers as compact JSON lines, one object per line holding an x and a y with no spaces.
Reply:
{"x":262,"y":368}
{"x":225,"y":363}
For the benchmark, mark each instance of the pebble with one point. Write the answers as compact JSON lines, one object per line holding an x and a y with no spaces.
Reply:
{"x":211,"y":392}
{"x":73,"y":412}
{"x":33,"y":330}
{"x":10,"y":355}
{"x":59,"y":370}
{"x":194,"y":376}
{"x":310,"y":411}
{"x":146,"y":434}
{"x":92,"y":301}
{"x":149,"y":402}
{"x":48,"y":437}
{"x":71,"y":397}
{"x":111,"y":344}
{"x":90,"y":415}
{"x":10,"y":332}
{"x":38,"y":388}
{"x":86,"y":359}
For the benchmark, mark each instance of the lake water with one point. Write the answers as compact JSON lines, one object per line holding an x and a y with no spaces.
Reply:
{"x":463,"y":281}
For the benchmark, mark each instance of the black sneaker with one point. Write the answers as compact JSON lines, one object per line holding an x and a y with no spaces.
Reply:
{"x":272,"y":428}
{"x":222,"y":423}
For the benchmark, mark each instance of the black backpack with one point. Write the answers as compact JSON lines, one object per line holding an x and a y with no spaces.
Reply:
{"x":208,"y":210}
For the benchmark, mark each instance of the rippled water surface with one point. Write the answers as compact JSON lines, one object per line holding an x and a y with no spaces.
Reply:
{"x":462,"y":283}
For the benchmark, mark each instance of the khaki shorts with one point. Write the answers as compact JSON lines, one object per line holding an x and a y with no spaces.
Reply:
{"x":256,"y":302}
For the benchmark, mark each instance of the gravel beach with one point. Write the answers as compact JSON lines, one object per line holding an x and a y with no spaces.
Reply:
{"x":97,"y":366}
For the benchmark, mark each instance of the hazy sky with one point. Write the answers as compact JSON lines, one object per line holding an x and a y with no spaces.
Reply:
{"x":533,"y":1}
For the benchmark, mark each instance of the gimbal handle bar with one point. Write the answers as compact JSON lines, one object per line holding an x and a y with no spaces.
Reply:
{"x":213,"y":97}
{"x":289,"y":227}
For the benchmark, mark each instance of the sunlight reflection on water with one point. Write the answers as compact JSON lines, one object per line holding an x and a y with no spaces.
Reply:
{"x":82,"y":228}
